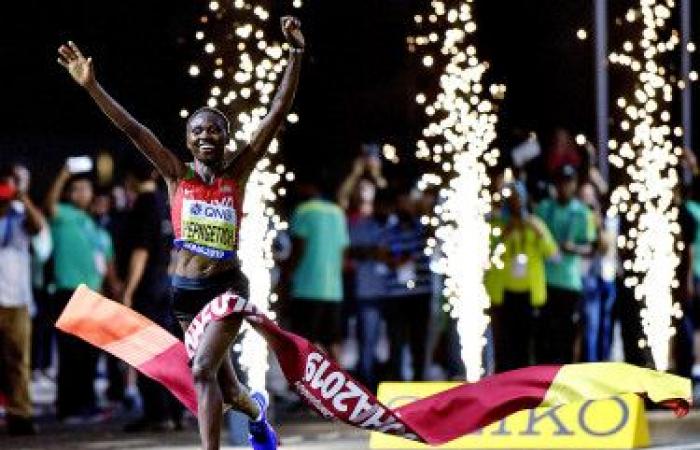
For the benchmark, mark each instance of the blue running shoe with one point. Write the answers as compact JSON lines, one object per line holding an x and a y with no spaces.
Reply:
{"x":262,"y":436}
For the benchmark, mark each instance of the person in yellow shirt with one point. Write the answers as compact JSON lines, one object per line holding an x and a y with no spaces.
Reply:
{"x":516,"y":282}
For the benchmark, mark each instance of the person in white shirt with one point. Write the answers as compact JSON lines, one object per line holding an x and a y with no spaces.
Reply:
{"x":19,"y":220}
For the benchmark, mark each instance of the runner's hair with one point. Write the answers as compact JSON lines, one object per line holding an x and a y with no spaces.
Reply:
{"x":216,"y":112}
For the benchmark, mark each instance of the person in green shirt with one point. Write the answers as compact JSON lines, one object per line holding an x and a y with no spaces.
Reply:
{"x":568,"y":220}
{"x":516,"y":282}
{"x":319,"y":238}
{"x":82,"y":251}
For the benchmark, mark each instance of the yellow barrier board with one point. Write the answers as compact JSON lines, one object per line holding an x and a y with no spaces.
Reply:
{"x":619,"y":422}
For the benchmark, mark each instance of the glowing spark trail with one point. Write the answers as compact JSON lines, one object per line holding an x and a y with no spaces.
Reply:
{"x":647,"y":155}
{"x":458,"y":141}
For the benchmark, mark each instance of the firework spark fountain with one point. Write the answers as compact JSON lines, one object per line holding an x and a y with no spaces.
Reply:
{"x":647,"y":156}
{"x":458,"y":141}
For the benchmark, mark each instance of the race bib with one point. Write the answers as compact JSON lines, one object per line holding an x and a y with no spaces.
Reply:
{"x":208,"y":229}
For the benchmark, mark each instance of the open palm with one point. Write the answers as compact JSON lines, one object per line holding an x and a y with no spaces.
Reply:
{"x":79,"y":67}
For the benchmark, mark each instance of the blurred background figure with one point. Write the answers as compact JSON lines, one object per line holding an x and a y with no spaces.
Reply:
{"x":43,"y":367}
{"x":148,"y":237}
{"x":19,"y":221}
{"x":319,"y":240}
{"x":367,"y":170}
{"x":692,"y":237}
{"x":409,"y":291}
{"x":562,"y":151}
{"x":518,"y":288}
{"x":367,"y":260}
{"x":110,"y":224}
{"x":82,"y":251}
{"x":569,"y":222}
{"x":684,"y":351}
{"x":599,"y":269}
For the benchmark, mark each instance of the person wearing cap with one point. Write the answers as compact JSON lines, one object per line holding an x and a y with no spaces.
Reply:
{"x":568,"y":220}
{"x":20,"y":219}
{"x":82,"y":253}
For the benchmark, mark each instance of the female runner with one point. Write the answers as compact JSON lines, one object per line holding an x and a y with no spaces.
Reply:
{"x":206,"y":197}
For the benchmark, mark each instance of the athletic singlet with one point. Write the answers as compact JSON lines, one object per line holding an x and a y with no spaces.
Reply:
{"x":206,"y":217}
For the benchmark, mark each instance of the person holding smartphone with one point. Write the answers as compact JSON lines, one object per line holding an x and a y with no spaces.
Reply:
{"x":206,"y":197}
{"x":82,"y":251}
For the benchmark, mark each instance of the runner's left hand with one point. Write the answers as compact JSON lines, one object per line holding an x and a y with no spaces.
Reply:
{"x":291,"y":27}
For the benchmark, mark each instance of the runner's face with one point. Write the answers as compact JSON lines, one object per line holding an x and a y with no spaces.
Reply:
{"x":207,"y":137}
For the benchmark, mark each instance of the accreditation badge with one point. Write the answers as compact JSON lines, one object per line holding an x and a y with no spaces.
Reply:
{"x":518,"y":267}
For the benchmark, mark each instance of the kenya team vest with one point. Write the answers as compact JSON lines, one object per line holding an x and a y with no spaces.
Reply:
{"x":206,"y":217}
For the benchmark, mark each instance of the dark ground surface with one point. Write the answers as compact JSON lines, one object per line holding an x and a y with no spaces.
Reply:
{"x":302,"y":433}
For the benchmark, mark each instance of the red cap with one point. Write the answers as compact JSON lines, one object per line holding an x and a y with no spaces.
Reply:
{"x":7,"y":191}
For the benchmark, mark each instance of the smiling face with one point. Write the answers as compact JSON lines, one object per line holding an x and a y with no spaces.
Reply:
{"x":207,"y":136}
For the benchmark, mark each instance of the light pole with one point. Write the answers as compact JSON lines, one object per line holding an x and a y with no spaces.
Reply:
{"x":602,"y":83}
{"x":686,"y":93}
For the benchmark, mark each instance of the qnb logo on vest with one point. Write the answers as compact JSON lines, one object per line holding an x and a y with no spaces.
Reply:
{"x":203,"y":210}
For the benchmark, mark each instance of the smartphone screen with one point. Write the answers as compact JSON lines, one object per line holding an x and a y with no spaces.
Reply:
{"x":79,"y":164}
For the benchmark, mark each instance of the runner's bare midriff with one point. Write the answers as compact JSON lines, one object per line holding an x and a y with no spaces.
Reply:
{"x":190,"y":265}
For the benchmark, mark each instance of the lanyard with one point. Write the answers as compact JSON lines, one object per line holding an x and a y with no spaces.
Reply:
{"x":518,"y":238}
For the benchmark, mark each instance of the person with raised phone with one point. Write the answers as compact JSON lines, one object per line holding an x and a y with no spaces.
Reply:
{"x":81,"y":253}
{"x":206,"y":197}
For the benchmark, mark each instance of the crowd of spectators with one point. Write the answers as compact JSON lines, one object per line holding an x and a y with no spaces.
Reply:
{"x":353,"y":276}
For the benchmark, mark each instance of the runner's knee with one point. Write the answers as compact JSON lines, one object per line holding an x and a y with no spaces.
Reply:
{"x":203,"y":370}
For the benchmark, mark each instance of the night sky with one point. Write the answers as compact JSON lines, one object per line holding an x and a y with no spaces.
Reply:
{"x":358,"y":84}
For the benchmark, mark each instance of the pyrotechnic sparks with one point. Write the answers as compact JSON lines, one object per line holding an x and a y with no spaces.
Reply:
{"x":244,"y":66}
{"x":458,"y":141}
{"x":648,"y":157}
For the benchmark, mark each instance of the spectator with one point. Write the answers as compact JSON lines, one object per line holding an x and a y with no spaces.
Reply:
{"x":19,"y":219}
{"x":81,"y":253}
{"x":590,"y":175}
{"x":568,"y":220}
{"x":148,"y":236}
{"x":319,"y":239}
{"x":42,"y":326}
{"x":562,"y":152}
{"x":518,"y":287}
{"x":409,"y":290}
{"x":691,"y":236}
{"x":110,"y":221}
{"x":369,"y":270}
{"x":599,"y":270}
{"x":688,"y":274}
{"x":367,"y":167}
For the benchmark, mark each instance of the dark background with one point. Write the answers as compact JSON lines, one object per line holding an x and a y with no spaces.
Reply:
{"x":359,"y":80}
